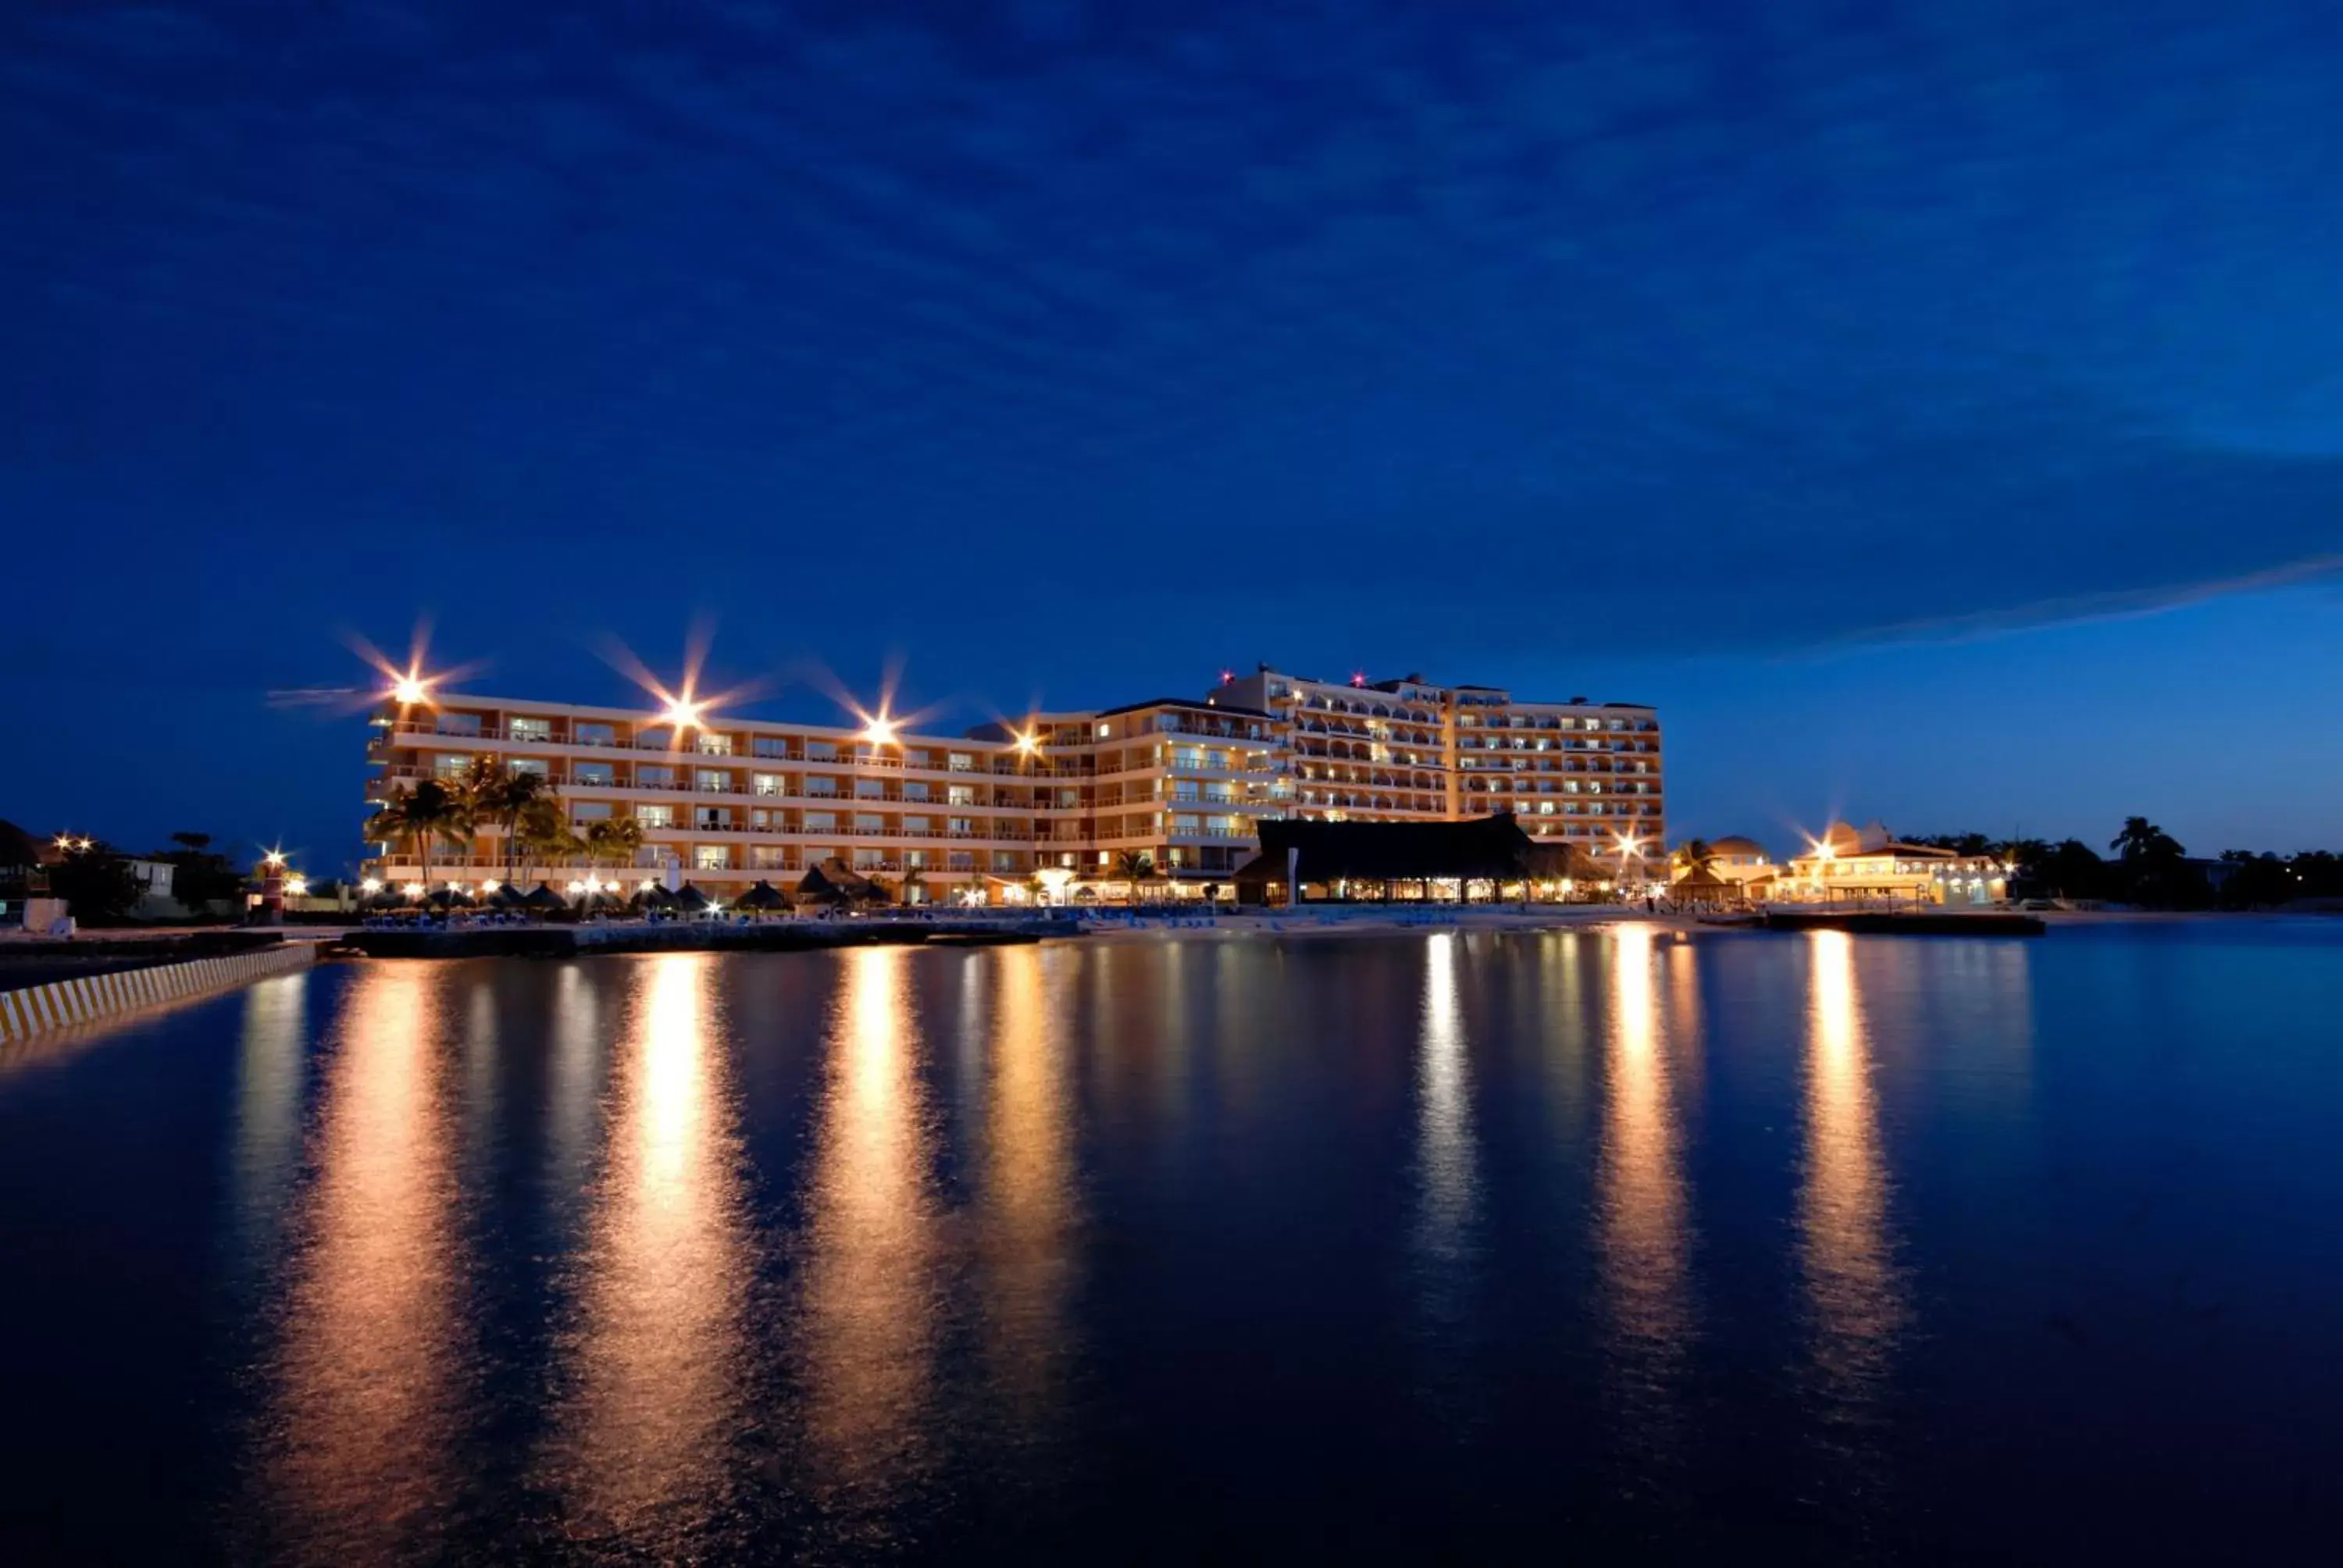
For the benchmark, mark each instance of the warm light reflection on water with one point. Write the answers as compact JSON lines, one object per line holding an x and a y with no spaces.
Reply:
{"x":1444,"y":1151}
{"x":574,"y":1084}
{"x":1028,"y":1182}
{"x":867,"y":1337}
{"x":1854,"y":1291}
{"x":1642,"y":1201}
{"x":656,"y":1365}
{"x":369,"y":1398}
{"x":271,"y":1068}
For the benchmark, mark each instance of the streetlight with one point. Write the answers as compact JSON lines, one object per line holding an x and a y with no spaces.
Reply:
{"x":1629,"y":847}
{"x":411,"y":690}
{"x":371,"y":886}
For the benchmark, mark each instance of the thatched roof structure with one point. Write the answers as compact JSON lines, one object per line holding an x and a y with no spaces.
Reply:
{"x":1485,"y":848}
{"x":763,"y":896}
{"x":1553,"y":861}
{"x":833,"y":882}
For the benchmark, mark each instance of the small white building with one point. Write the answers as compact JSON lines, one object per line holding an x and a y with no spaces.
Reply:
{"x":154,"y":882}
{"x":1869,"y":865}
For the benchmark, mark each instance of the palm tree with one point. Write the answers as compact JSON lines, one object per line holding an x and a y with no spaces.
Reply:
{"x":914,"y":880}
{"x":2022,"y":854}
{"x":613,"y":838}
{"x":1693,"y":856}
{"x":540,"y":830}
{"x":418,"y":814}
{"x":1134,"y":866}
{"x":499,"y":794}
{"x":2141,"y":840}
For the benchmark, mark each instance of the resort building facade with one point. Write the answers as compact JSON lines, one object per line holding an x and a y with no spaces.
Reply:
{"x":1408,"y":750}
{"x":1177,"y":785}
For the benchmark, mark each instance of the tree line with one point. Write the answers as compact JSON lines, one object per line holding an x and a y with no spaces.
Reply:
{"x":2146,"y":866}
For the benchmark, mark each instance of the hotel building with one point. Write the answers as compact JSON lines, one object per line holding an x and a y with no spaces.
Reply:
{"x":1182,"y":781}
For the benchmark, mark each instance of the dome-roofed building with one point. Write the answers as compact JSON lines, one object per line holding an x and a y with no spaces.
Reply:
{"x":1743,"y":862}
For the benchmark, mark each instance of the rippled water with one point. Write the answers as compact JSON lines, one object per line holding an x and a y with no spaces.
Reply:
{"x":1455,"y":1243}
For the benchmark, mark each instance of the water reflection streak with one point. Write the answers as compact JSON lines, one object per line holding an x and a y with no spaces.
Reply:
{"x":1445,"y":1152}
{"x":1028,"y":1187}
{"x":1854,"y":1291}
{"x":1642,"y":1201}
{"x":871,"y":1281}
{"x":658,"y":1365}
{"x":369,"y":1395}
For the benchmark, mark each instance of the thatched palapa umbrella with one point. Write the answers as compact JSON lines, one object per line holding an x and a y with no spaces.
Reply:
{"x":830,"y":884}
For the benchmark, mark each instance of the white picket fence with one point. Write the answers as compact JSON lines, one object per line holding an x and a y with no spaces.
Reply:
{"x":86,"y":998}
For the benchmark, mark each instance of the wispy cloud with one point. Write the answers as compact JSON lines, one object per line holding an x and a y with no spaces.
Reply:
{"x":1752,"y":325}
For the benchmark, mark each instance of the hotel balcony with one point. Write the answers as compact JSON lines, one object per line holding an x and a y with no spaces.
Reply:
{"x":410,"y":736}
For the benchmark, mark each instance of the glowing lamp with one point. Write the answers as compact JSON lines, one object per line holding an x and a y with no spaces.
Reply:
{"x":880,"y":732}
{"x":298,"y":887}
{"x":414,"y":890}
{"x":274,"y":857}
{"x":371,"y":885}
{"x":681,"y":712}
{"x":490,"y":885}
{"x":408,"y":692}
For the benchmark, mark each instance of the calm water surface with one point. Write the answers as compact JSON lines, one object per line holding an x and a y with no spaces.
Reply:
{"x":1454,"y":1244}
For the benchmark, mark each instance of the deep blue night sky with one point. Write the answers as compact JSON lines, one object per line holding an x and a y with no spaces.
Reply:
{"x":1936,"y":408}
